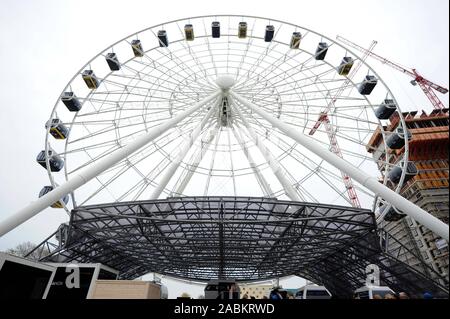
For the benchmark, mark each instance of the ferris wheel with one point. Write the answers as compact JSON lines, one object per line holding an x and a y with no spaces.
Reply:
{"x":239,"y":106}
{"x":312,"y":84}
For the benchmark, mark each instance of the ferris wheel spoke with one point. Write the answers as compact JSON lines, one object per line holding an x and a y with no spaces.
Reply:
{"x":135,"y":87}
{"x":211,"y":165}
{"x":270,"y":47}
{"x":274,"y":65}
{"x":182,"y":154}
{"x":194,"y":56}
{"x":288,"y":91}
{"x":211,"y":55}
{"x":114,"y":127}
{"x":247,"y":48}
{"x":304,"y":69}
{"x":146,"y":181}
{"x":196,"y":159}
{"x":130,"y":163}
{"x":288,"y":75}
{"x":88,"y":148}
{"x":160,"y":88}
{"x":160,"y":98}
{"x":281,"y":60}
{"x":265,"y":187}
{"x":163,"y":77}
{"x":183,"y":65}
{"x":116,"y":146}
{"x":312,"y":167}
{"x":277,"y":169}
{"x":304,"y":193}
{"x":176,"y":79}
{"x":303,"y":160}
{"x":161,"y":65}
{"x":230,"y":153}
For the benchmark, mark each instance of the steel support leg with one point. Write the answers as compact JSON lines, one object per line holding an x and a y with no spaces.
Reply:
{"x":267,"y":191}
{"x":371,"y":183}
{"x":182,"y":154}
{"x":273,"y":163}
{"x":198,"y":157}
{"x":96,"y":168}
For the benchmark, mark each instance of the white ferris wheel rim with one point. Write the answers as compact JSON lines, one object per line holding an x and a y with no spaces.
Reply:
{"x":54,"y":111}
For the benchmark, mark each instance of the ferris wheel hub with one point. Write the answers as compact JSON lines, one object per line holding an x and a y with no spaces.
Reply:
{"x":225,"y":82}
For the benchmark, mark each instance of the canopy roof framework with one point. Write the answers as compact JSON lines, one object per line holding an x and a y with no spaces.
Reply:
{"x":247,"y":239}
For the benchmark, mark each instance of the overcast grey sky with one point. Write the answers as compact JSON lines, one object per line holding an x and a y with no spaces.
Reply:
{"x":43,"y":43}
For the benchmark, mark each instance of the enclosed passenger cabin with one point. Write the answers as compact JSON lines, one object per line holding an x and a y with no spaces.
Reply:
{"x":313,"y":292}
{"x":367,"y":86}
{"x":242,"y":30}
{"x":346,"y":66}
{"x":215,"y":29}
{"x":57,"y":129}
{"x":392,"y":214}
{"x":113,"y":61}
{"x":56,"y":162}
{"x":138,"y":51}
{"x":59,"y":204}
{"x":386,"y":109}
{"x":71,"y":101}
{"x":189,"y":32}
{"x":295,"y":40}
{"x":90,"y":79}
{"x":396,"y":140}
{"x":321,"y":51}
{"x":396,"y":173}
{"x":163,"y":39}
{"x":222,"y":289}
{"x":270,"y":31}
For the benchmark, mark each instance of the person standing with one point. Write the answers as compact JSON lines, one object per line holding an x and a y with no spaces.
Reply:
{"x":403,"y":295}
{"x":275,"y":294}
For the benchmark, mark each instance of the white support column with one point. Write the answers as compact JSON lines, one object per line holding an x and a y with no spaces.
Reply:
{"x":273,"y":163}
{"x":95,"y":169}
{"x":371,"y":183}
{"x":182,"y":154}
{"x":267,"y":191}
{"x":211,"y":164}
{"x":198,"y":157}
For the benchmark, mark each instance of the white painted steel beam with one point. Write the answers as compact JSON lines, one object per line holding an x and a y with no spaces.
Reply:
{"x":197,"y":158}
{"x":170,"y":171}
{"x":97,"y":168}
{"x":265,"y":187}
{"x":370,"y":182}
{"x":270,"y":159}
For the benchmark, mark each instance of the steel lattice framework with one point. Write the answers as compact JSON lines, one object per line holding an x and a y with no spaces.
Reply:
{"x":212,"y":116}
{"x":243,"y":238}
{"x":224,"y":114}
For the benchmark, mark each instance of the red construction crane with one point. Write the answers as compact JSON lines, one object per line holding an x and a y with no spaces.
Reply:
{"x":426,"y":85}
{"x":323,"y":118}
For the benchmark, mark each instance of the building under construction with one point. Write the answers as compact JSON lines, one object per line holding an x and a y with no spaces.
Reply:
{"x":428,"y":188}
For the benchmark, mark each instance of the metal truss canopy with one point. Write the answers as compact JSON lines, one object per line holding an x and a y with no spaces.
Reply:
{"x":247,"y":239}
